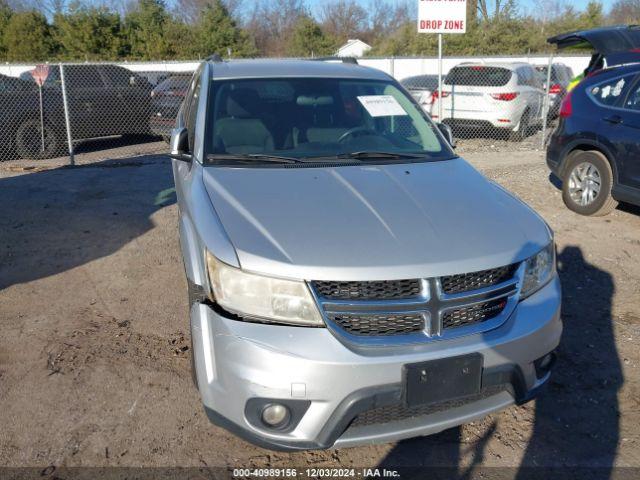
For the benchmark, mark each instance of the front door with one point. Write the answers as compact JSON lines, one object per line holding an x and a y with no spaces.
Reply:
{"x":630,"y":137}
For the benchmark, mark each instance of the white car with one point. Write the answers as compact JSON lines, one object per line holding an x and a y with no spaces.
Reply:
{"x":489,"y":96}
{"x":421,"y":87}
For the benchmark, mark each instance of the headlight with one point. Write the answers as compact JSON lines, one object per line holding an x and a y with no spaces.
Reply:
{"x":267,"y":298}
{"x":539,"y":270}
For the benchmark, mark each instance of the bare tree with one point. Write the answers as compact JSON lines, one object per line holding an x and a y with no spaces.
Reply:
{"x":272,"y":23}
{"x":344,"y":19}
{"x":625,"y":11}
{"x":387,"y":17}
{"x":501,"y":9}
{"x":549,"y":10}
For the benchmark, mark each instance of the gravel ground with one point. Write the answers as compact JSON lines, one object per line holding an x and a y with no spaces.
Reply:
{"x":94,"y":366}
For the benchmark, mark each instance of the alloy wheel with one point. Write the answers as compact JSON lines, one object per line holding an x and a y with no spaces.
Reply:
{"x":585,"y":182}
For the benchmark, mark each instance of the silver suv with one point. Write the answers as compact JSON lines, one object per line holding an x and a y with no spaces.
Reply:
{"x":351,"y":280}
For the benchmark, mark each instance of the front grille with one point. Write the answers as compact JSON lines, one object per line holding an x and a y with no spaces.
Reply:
{"x":379,"y":324}
{"x":399,"y":311}
{"x":377,"y":290}
{"x":398,"y":412}
{"x":472,"y":314}
{"x":472,"y":281}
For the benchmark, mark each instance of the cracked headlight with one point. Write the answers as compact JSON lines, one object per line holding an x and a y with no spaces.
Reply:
{"x":539,"y":270}
{"x":260,"y":297}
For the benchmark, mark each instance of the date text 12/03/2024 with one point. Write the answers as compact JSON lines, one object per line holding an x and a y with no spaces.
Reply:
{"x":316,"y":473}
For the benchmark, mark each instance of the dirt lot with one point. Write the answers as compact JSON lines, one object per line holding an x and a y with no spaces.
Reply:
{"x":94,"y":367}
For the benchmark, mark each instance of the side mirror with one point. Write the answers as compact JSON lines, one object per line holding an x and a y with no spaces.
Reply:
{"x":448,"y":133}
{"x":132,"y":81}
{"x":180,"y":145}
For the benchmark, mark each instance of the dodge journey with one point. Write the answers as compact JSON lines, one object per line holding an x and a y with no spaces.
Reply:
{"x":351,"y":280}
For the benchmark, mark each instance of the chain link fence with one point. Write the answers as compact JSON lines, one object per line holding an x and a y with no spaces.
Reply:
{"x":495,"y":105}
{"x":98,"y":109}
{"x":108,"y":110}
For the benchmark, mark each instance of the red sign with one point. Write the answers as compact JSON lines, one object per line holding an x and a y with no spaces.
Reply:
{"x":442,"y":16}
{"x":40,"y":74}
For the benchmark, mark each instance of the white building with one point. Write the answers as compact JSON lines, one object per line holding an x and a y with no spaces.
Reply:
{"x":353,"y":48}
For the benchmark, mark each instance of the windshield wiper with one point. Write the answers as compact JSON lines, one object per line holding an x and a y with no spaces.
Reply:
{"x":261,"y":157}
{"x":368,"y":155}
{"x":365,"y":155}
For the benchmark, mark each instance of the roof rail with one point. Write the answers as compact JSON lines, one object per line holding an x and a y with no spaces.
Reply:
{"x":214,"y":58}
{"x":351,"y":60}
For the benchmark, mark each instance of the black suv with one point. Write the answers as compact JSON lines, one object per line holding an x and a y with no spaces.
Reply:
{"x":103,"y":100}
{"x":595,"y":149}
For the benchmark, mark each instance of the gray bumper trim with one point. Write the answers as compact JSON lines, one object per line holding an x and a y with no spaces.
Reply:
{"x":510,"y":376}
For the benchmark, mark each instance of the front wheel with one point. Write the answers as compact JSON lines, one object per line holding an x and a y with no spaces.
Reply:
{"x":34,"y":142}
{"x":587,"y":183}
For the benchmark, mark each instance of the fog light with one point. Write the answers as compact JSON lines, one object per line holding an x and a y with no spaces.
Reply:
{"x":275,"y":415}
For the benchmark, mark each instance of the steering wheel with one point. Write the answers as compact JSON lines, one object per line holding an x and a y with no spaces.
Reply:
{"x":355,"y":131}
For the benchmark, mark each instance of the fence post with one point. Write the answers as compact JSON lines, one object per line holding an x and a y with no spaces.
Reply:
{"x":545,"y":105}
{"x":67,"y":119}
{"x":393,"y":67}
{"x":440,"y":80}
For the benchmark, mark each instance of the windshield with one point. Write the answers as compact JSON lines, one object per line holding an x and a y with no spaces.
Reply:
{"x":312,"y":118}
{"x":478,"y":76}
{"x":421,"y":82}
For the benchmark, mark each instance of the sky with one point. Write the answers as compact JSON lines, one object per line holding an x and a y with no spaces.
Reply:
{"x":527,"y":5}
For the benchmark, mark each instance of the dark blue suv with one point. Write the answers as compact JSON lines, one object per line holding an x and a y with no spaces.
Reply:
{"x":595,"y":150}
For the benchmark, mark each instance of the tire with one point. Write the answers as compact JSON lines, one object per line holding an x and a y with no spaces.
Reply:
{"x":520,"y":133}
{"x":28,"y":140}
{"x":587,"y":183}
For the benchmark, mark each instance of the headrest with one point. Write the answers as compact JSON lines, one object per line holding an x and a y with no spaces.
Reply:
{"x":242,"y":102}
{"x":314,"y":100}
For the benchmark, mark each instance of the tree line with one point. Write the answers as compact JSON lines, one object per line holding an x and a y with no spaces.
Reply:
{"x":38,"y":30}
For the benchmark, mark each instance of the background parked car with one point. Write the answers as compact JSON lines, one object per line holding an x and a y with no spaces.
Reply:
{"x":154,"y":77}
{"x":166,"y":99}
{"x":13,"y":84}
{"x":421,"y":88}
{"x":561,"y":76}
{"x":596,"y":148}
{"x":505,"y":97}
{"x":103,"y":100}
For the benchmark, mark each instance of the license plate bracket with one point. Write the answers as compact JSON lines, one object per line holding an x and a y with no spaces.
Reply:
{"x":443,"y":379}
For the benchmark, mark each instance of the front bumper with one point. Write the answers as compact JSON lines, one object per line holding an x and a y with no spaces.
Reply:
{"x":238,"y":362}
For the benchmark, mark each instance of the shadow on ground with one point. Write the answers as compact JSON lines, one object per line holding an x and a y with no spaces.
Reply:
{"x":97,"y":144}
{"x":58,"y":219}
{"x":576,"y":419}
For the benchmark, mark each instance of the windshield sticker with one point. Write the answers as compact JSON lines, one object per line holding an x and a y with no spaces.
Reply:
{"x":381,"y":105}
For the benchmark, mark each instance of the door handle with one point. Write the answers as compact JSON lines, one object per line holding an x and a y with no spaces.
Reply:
{"x":614,"y":119}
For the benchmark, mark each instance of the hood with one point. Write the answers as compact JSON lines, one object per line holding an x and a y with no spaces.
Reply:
{"x":605,"y":40}
{"x":371,"y":222}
